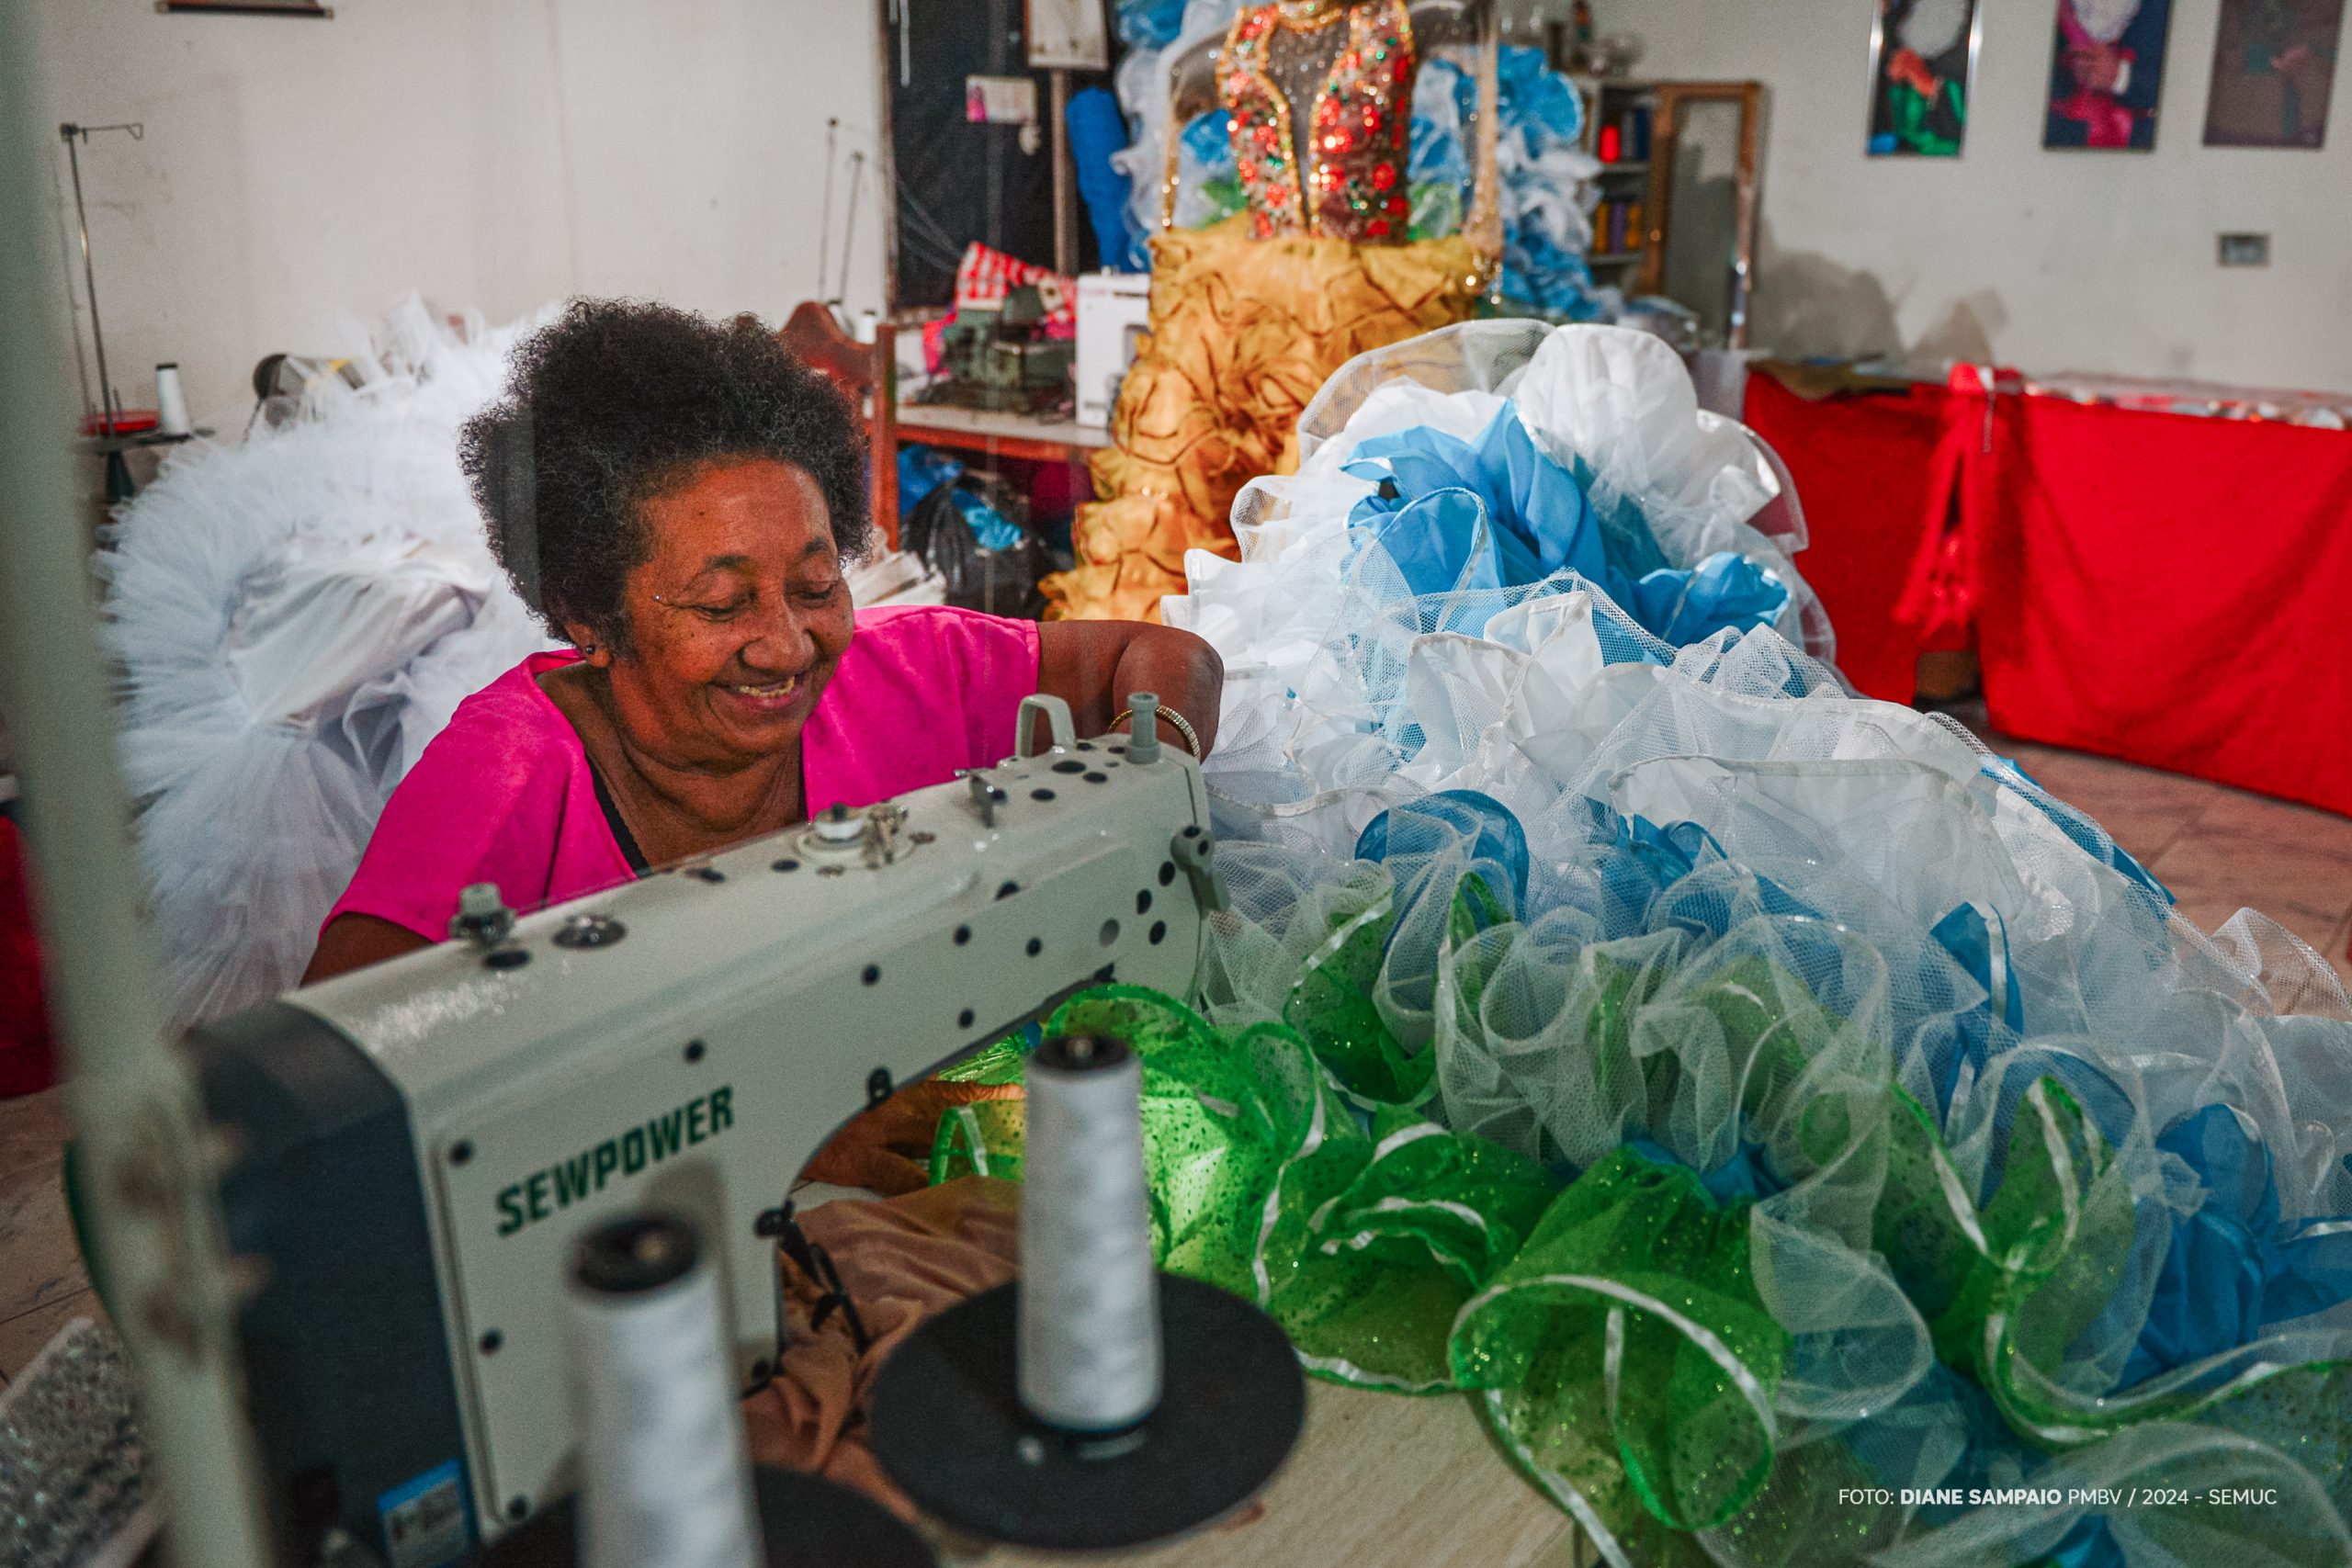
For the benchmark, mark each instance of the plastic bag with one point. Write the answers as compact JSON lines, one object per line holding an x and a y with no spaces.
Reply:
{"x":998,"y":581}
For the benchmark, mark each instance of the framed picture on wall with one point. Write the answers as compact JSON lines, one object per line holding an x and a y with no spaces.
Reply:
{"x":1068,"y":35}
{"x":1923,"y":72}
{"x":2107,"y":68}
{"x":2273,"y":62}
{"x":251,"y":8}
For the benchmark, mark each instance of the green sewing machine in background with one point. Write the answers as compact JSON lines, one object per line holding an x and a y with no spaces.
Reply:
{"x":1003,"y":360}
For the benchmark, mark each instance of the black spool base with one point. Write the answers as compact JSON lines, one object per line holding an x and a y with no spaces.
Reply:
{"x":948,"y":1427}
{"x":807,"y":1521}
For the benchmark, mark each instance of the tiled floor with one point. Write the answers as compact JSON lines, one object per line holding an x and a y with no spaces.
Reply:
{"x":41,"y":1282}
{"x":2219,"y":850}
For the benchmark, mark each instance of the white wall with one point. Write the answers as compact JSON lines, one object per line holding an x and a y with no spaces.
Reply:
{"x":2046,"y":260}
{"x":500,"y":153}
{"x":495,"y":154}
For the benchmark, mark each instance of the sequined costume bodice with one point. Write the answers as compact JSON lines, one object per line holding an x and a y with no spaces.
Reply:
{"x":1354,"y":66}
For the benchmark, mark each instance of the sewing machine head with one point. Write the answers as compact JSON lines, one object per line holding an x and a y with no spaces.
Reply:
{"x":420,"y":1142}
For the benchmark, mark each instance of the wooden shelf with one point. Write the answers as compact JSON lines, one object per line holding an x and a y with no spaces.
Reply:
{"x":1031,"y":437}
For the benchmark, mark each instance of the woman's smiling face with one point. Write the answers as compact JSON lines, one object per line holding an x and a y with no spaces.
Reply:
{"x":738,"y":618}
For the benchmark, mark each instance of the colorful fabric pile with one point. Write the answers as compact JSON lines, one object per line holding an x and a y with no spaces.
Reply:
{"x":985,"y":275}
{"x":1805,"y":1139}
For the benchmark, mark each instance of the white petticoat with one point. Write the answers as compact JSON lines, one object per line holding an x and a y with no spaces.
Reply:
{"x":295,"y":616}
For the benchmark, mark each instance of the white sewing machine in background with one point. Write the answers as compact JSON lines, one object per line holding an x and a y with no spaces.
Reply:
{"x":421,"y":1141}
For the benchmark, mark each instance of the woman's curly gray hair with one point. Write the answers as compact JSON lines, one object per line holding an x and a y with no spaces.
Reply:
{"x":619,"y":401}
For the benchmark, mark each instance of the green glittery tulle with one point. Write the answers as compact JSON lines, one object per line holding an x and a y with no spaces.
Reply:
{"x":1612,"y":1328}
{"x":1625,"y":1350}
{"x":1364,"y":1241}
{"x":1368,"y":1237}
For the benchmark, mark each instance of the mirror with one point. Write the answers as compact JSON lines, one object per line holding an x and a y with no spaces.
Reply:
{"x":1704,"y":189}
{"x":1702,"y":225}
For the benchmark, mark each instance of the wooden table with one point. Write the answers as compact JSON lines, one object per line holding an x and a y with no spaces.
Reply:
{"x":1031,"y":437}
{"x":1377,"y":1480}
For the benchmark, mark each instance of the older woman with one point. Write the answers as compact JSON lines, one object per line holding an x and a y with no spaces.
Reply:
{"x":677,"y":498}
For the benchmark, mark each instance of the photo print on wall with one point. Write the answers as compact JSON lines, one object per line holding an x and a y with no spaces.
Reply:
{"x":2106,"y":70}
{"x":2273,"y":62}
{"x":1923,"y":63}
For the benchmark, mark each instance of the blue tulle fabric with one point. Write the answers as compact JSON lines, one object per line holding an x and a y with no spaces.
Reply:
{"x":1447,"y":818}
{"x":1539,"y":104}
{"x":1470,"y":517}
{"x":1208,"y":143}
{"x":1543,"y":265}
{"x":2232,"y":1270}
{"x":1544,"y":230}
{"x":1149,"y":24}
{"x":1439,"y":155}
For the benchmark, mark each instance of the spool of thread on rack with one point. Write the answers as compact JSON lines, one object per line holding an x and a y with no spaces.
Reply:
{"x":171,"y":402}
{"x":664,"y":1475}
{"x":1088,"y":1344}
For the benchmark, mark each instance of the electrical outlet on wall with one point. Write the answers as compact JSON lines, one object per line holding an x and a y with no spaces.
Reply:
{"x":2246,"y":249}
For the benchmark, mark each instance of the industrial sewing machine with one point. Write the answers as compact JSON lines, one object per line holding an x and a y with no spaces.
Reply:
{"x":419,"y":1142}
{"x":1002,"y":359}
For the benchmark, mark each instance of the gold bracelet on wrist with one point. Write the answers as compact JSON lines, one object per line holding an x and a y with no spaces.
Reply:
{"x":1191,"y":738}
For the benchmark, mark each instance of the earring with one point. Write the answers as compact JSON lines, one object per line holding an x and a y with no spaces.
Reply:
{"x":589,"y":651}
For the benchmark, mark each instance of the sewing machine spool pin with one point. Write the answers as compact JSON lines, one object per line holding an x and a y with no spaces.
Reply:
{"x":1144,"y":745}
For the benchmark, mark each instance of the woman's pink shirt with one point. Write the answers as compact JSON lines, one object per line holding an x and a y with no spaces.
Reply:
{"x":504,"y":793}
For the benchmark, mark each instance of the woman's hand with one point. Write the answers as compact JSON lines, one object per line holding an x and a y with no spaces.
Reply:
{"x":1095,"y":666}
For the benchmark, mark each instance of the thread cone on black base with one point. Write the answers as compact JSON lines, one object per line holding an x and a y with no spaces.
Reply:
{"x":948,"y":1427}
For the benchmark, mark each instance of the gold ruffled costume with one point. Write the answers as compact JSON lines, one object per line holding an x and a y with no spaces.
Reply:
{"x":1249,"y":319}
{"x":1244,"y":332}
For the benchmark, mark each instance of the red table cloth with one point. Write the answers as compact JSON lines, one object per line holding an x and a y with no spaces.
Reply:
{"x":1861,"y":468}
{"x":2171,"y":590}
{"x":27,"y":1058}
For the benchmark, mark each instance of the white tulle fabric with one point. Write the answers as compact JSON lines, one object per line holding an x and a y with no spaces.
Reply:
{"x":1336,"y":675}
{"x":295,"y":615}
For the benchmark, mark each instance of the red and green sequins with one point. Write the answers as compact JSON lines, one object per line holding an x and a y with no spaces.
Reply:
{"x":1351,"y":182}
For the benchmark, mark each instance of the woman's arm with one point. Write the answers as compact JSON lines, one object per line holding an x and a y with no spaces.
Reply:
{"x":354,"y":941}
{"x":1094,"y":666}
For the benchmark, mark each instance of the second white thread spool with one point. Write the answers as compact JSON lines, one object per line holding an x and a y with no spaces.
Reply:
{"x":664,"y":1476}
{"x":1088,"y":1350}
